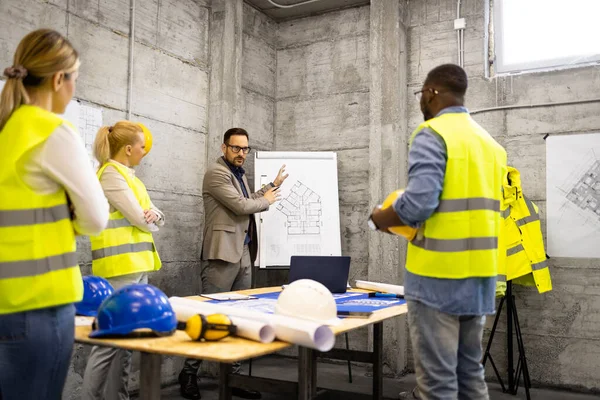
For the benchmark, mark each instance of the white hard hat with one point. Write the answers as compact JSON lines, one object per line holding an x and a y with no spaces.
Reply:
{"x":310,"y":300}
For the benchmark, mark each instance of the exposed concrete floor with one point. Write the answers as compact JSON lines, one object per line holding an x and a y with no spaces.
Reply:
{"x":334,"y":376}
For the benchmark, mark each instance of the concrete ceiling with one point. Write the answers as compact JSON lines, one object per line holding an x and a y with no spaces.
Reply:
{"x":318,"y":7}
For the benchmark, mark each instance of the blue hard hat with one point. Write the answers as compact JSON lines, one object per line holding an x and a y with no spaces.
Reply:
{"x":132,"y":307}
{"x":95,"y":290}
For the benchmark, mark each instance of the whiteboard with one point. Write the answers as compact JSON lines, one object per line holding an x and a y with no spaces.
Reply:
{"x":87,"y":120}
{"x":573,"y":195}
{"x":306,"y":221}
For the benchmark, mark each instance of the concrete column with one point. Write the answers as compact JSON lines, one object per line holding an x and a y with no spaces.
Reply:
{"x":225,"y":103}
{"x":388,"y":156}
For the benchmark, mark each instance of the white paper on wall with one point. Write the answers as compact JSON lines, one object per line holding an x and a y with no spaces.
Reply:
{"x":573,"y":195}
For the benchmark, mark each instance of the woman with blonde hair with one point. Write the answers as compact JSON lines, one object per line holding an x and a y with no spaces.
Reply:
{"x":124,"y":252}
{"x":49,"y":195}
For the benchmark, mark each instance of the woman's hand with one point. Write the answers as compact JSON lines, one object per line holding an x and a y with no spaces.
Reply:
{"x":150,"y":216}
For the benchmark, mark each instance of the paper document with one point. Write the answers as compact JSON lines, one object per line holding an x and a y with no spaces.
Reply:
{"x":227,"y":296}
{"x":380,"y":287}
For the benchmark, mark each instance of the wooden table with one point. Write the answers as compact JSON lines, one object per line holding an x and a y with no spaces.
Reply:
{"x":232,"y":349}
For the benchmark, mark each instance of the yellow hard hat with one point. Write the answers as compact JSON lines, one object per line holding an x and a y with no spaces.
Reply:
{"x":404,"y":231}
{"x":147,"y":137}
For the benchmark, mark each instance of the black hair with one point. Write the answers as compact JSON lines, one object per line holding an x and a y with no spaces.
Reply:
{"x":233,"y":132}
{"x":449,"y":76}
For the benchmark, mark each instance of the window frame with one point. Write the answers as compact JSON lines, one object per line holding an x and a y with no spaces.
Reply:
{"x":495,"y":42}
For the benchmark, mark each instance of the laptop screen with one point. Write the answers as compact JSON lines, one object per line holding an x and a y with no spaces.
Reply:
{"x":331,"y":271}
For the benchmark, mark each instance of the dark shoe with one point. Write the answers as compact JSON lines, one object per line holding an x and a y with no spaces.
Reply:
{"x":245,"y":394}
{"x":188,"y":386}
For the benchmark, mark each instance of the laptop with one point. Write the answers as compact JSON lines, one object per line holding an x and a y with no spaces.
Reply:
{"x":331,"y":271}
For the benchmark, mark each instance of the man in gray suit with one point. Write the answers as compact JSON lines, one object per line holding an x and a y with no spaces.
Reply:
{"x":230,"y":243}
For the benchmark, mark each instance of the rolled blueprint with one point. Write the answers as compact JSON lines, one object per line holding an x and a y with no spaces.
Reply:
{"x":288,"y":329}
{"x":381,"y":287}
{"x":258,"y":331}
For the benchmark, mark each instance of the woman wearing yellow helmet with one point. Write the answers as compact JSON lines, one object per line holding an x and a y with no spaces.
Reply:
{"x":123,"y":253}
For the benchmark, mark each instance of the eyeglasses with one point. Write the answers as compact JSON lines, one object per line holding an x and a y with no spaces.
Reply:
{"x":419,"y":93}
{"x":236,"y":149}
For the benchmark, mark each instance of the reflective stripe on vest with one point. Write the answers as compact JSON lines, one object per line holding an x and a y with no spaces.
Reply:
{"x":122,"y":249}
{"x":19,"y":269}
{"x":475,"y":203}
{"x":460,"y":239}
{"x":33,"y":216}
{"x":506,"y":213}
{"x":118,"y":223}
{"x":455,"y":245}
{"x":38,"y":263}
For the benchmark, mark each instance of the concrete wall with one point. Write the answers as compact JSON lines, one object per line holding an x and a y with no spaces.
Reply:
{"x":170,"y":96}
{"x":259,"y":99}
{"x":560,"y":332}
{"x":323,"y":105}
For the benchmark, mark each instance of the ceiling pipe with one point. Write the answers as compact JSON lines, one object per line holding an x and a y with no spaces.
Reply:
{"x":130,"y":69}
{"x":292,"y":5}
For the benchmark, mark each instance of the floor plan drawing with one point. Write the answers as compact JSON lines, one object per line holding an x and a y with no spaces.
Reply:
{"x":573,"y":195}
{"x":586,"y":192}
{"x":303,"y":210}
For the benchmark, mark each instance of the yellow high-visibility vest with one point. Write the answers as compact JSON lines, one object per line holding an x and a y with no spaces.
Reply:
{"x":460,"y":239}
{"x":522,"y":242}
{"x":38,"y":262}
{"x":122,"y":248}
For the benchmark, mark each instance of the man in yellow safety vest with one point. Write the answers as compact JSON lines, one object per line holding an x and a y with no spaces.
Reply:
{"x":453,"y":196}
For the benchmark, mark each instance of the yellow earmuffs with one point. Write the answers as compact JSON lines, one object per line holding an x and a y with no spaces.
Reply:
{"x":210,"y":327}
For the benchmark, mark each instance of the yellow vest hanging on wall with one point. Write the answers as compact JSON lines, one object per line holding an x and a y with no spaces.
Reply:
{"x":460,"y":239}
{"x":38,"y":263}
{"x":122,"y":248}
{"x":523,"y":242}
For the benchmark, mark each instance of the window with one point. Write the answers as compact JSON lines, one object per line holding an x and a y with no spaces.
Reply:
{"x":545,"y":34}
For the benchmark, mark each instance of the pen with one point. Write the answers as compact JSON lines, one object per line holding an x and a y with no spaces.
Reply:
{"x":388,"y":295}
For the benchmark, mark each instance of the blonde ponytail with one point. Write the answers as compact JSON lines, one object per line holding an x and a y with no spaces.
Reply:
{"x":13,"y":95}
{"x":110,"y":139}
{"x":102,"y":146}
{"x":39,"y":55}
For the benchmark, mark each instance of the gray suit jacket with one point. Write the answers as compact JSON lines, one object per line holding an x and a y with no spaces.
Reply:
{"x":227,"y":214}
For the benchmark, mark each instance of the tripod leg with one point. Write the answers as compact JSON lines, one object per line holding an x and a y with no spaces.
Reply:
{"x":509,"y":337}
{"x":497,"y":374}
{"x":522,"y":357}
{"x":487,"y":353}
{"x":489,"y":345}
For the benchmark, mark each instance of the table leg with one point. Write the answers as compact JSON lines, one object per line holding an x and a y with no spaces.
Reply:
{"x":150,"y":376}
{"x":224,"y":388}
{"x":307,"y":374}
{"x":378,"y":361}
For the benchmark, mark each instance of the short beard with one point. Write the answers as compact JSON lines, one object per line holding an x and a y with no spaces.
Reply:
{"x":427,"y":115}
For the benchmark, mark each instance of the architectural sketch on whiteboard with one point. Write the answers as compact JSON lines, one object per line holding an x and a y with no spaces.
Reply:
{"x":303,"y":210}
{"x":306,"y":221}
{"x":573,"y":195}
